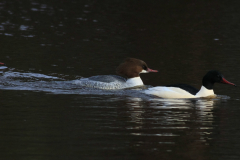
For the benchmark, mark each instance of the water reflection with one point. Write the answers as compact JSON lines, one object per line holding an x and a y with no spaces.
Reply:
{"x":172,"y":121}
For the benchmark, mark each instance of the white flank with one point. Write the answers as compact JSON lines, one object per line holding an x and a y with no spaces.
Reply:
{"x":174,"y":92}
{"x":169,"y":92}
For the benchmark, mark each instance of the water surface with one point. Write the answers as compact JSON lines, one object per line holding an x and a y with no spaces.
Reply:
{"x":47,"y":45}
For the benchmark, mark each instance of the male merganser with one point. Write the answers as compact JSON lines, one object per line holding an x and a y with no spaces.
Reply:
{"x":187,"y":91}
{"x":129,"y":72}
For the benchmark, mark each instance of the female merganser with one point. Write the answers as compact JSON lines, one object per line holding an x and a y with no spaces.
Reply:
{"x":186,"y":91}
{"x":129,"y":72}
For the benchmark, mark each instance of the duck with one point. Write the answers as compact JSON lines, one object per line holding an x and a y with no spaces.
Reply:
{"x":128,"y":75}
{"x":187,"y":91}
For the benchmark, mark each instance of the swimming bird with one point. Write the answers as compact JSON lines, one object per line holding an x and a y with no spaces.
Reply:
{"x":128,"y":76}
{"x":187,"y":91}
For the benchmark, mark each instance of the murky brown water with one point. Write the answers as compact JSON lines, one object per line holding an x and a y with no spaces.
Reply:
{"x":46,"y":45}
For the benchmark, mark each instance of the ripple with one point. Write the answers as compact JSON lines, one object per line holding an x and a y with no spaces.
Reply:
{"x":34,"y":9}
{"x":161,"y":135}
{"x":1,"y":27}
{"x":8,"y":34}
{"x":23,"y":27}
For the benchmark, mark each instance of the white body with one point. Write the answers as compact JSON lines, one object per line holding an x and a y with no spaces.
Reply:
{"x":131,"y":82}
{"x":175,"y":92}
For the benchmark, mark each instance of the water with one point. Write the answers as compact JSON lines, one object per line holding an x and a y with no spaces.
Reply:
{"x":48,"y":45}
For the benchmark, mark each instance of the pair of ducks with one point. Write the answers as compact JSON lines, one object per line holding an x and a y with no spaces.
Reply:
{"x":131,"y":68}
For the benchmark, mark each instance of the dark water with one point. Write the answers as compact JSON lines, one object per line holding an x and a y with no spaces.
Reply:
{"x":49,"y":44}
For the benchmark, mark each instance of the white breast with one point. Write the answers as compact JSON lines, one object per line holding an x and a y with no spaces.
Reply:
{"x":204,"y":92}
{"x":136,"y":81}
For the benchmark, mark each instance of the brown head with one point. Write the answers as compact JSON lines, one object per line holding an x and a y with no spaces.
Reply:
{"x":132,"y":67}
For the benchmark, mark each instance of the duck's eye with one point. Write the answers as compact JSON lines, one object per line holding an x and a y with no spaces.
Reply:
{"x":144,"y":67}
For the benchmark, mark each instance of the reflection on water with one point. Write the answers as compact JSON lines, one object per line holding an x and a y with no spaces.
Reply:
{"x":165,"y":123}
